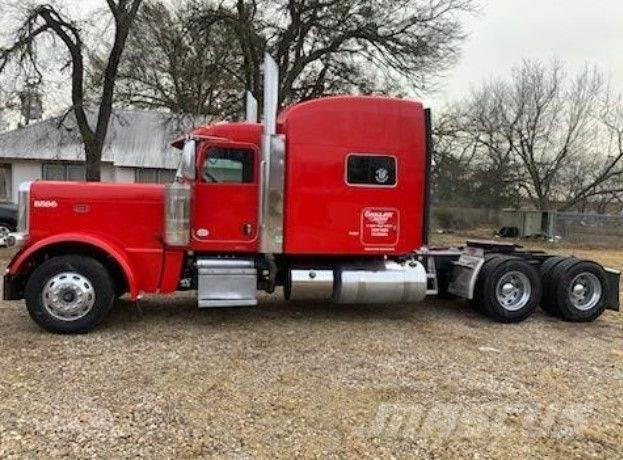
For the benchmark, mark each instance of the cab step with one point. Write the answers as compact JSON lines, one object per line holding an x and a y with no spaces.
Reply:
{"x":226,"y":282}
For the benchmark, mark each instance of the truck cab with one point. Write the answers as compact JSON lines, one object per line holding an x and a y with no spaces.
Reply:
{"x":328,"y":199}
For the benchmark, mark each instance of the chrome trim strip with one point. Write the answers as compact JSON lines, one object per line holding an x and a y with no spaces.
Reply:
{"x":271,"y":189}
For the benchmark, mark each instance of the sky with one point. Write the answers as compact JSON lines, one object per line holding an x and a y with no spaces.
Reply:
{"x":579,"y":32}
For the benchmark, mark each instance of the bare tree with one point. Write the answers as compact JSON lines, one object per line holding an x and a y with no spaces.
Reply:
{"x":43,"y":20}
{"x":325,"y":46}
{"x":547,"y":133}
{"x":169,"y":67}
{"x":603,"y":182}
{"x":322,"y":47}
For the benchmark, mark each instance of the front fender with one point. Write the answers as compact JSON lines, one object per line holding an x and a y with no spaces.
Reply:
{"x":110,"y":248}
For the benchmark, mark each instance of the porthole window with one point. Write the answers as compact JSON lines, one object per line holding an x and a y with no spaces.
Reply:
{"x":379,"y":170}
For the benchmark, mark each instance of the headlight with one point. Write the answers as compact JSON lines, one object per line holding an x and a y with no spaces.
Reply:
{"x":177,"y":214}
{"x":23,"y":207}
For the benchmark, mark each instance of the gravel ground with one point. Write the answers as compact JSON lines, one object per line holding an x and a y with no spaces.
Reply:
{"x":433,"y":380}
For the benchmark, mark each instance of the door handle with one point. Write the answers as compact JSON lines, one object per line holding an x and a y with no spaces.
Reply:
{"x":247,"y":229}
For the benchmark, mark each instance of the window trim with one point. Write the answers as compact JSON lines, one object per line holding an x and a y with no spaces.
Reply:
{"x":387,"y":155}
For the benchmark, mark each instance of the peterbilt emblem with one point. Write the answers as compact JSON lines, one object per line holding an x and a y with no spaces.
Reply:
{"x":382,"y":175}
{"x":45,"y":204}
{"x":202,"y":232}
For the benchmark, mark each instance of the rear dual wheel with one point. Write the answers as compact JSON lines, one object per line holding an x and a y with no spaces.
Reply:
{"x":575,"y":290}
{"x":508,"y":289}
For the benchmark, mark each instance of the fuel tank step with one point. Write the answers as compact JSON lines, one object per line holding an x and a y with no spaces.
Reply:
{"x":226,"y":282}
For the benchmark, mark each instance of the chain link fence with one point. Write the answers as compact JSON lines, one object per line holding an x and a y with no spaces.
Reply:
{"x":596,"y":230}
{"x":601,"y":229}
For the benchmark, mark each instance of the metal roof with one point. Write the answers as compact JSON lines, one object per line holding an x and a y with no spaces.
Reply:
{"x":134,"y":139}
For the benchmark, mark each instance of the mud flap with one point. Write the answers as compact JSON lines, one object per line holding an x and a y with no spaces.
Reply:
{"x":614,"y":279}
{"x":11,"y":289}
{"x":465,"y":273}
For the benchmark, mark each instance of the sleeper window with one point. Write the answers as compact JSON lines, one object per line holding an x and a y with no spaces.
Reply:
{"x":371,"y":170}
{"x":224,"y":165}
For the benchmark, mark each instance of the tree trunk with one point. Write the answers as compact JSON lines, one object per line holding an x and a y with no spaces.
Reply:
{"x":93,"y":160}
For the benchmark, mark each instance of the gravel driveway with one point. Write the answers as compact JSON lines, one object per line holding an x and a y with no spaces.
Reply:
{"x":434,"y":379}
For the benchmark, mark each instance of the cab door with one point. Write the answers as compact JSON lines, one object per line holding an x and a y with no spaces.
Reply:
{"x":225,"y":206}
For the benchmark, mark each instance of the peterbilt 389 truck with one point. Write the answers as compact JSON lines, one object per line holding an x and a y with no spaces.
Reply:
{"x":328,"y":199}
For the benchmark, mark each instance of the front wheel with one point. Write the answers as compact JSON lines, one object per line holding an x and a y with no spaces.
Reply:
{"x":69,"y":294}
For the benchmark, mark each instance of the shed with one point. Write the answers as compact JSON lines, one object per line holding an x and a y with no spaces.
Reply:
{"x":527,"y":223}
{"x":137,"y":149}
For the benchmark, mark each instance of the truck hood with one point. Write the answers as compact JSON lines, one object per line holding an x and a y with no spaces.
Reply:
{"x":130,"y":214}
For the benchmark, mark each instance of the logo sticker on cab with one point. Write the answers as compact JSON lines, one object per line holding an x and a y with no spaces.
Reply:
{"x":381,"y":175}
{"x":379,"y":226}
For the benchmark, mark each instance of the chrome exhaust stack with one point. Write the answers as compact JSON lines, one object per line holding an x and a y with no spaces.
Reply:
{"x":251,"y":112}
{"x":271,"y":166}
{"x":271,"y":94}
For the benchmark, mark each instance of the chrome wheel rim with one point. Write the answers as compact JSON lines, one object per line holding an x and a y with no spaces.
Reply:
{"x":513,"y":291}
{"x":585,"y":291}
{"x":68,"y":296}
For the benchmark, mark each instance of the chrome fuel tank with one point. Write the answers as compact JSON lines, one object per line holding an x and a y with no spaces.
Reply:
{"x":390,"y":283}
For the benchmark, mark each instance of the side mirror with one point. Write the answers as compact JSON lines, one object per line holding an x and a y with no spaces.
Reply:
{"x":187,"y":164}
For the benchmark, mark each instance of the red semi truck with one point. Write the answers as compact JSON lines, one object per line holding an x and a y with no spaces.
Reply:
{"x":329,"y":199}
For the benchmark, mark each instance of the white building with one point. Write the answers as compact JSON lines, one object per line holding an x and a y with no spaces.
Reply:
{"x":137,"y":149}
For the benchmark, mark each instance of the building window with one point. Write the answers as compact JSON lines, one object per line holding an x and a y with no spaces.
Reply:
{"x":154,"y":176}
{"x":379,"y":170}
{"x":229,"y":166}
{"x":63,"y":172}
{"x":5,"y":182}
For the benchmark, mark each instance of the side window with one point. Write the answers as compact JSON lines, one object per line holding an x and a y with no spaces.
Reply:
{"x":145,"y":176}
{"x":154,"y":176}
{"x":371,"y":170}
{"x":224,"y":165}
{"x":76,"y":172}
{"x":5,"y":182}
{"x":63,"y":171}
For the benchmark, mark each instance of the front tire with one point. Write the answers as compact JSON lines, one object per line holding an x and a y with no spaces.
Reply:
{"x":69,"y":294}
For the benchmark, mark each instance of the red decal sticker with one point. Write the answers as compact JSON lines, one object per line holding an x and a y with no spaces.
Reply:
{"x":379,"y":226}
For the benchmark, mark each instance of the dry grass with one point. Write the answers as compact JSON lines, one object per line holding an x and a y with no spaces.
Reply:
{"x":307,"y":380}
